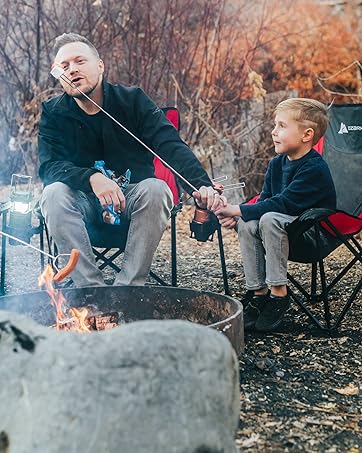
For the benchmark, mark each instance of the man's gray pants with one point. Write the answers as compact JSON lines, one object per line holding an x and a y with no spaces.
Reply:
{"x":67,"y":211}
{"x":264,"y":249}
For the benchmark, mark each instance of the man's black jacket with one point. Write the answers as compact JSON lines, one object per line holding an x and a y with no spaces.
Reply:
{"x":68,"y":145}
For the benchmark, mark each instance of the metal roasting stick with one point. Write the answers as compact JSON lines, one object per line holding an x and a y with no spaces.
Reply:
{"x":220,"y":178}
{"x":224,"y":188}
{"x":237,"y":185}
{"x":58,"y":73}
{"x":52,"y":257}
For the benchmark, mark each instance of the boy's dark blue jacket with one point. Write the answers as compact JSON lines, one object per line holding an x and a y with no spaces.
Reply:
{"x":68,"y":147}
{"x":293,"y":186}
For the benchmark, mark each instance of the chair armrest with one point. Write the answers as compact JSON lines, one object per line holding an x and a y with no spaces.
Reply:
{"x":315,"y":214}
{"x":306,"y":220}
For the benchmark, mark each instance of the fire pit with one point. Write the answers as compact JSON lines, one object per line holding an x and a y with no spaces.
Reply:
{"x":126,"y":304}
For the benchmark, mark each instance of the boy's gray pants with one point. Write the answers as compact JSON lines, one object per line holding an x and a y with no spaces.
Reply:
{"x":66,"y":211}
{"x":264,"y":248}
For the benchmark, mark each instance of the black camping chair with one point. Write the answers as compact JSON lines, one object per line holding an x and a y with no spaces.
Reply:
{"x":108,"y":241}
{"x":315,"y":234}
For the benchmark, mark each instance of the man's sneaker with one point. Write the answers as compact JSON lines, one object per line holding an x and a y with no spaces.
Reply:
{"x":253,"y":306}
{"x":272,"y":314}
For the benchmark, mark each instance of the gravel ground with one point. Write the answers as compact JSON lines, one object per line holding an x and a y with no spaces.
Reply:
{"x":300,"y":389}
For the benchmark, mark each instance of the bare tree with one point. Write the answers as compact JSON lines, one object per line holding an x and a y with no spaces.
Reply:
{"x":211,"y":58}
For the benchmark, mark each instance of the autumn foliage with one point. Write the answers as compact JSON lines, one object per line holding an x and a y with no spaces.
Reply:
{"x":208,"y":57}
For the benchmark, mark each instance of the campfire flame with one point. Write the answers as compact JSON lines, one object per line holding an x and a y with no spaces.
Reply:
{"x":66,"y":318}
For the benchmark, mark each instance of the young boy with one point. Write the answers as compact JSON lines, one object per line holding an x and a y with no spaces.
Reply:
{"x":297,"y":179}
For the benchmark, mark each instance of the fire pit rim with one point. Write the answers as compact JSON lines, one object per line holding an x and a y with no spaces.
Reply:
{"x":164,"y":288}
{"x":231,"y":325}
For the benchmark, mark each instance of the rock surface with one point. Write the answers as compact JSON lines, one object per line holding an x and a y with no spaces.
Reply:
{"x":150,"y":386}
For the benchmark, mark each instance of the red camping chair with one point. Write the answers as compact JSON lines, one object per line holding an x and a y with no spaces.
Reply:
{"x":162,"y":172}
{"x":315,"y":234}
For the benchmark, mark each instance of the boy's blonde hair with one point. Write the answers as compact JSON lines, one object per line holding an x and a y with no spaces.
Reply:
{"x":308,"y":112}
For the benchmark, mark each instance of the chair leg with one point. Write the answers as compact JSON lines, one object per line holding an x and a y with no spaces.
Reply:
{"x":312,"y":297}
{"x":347,"y":306}
{"x":223,"y":263}
{"x":3,"y":255}
{"x":299,"y":287}
{"x":324,"y":295}
{"x":342,"y":273}
{"x":107,"y":261}
{"x":49,"y":243}
{"x":158,"y":279}
{"x":173,"y":251}
{"x":55,"y":251}
{"x":306,"y":310}
{"x":41,"y":244}
{"x":313,"y":284}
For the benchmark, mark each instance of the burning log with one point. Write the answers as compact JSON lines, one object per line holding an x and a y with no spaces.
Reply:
{"x":105,"y":321}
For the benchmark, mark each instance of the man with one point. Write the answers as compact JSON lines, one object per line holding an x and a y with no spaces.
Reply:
{"x":74,"y":133}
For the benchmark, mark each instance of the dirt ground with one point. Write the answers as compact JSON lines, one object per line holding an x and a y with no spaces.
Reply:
{"x":300,"y":388}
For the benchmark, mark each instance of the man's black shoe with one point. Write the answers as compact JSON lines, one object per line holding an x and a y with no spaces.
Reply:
{"x":253,"y":306}
{"x":272,"y":314}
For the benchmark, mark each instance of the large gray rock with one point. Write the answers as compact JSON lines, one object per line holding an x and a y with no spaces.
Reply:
{"x":149,"y":386}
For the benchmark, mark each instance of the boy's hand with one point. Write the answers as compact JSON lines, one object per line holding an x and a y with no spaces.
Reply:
{"x":208,"y":198}
{"x":228,"y":222}
{"x":227,"y":210}
{"x":228,"y":215}
{"x":107,"y":191}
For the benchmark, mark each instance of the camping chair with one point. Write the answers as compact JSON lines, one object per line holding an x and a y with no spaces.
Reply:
{"x":108,"y":241}
{"x":315,"y":234}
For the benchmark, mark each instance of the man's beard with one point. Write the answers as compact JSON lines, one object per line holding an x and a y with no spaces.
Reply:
{"x":76,"y":94}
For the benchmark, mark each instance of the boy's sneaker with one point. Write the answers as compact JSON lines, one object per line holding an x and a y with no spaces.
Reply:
{"x":253,"y":306}
{"x":272,"y":314}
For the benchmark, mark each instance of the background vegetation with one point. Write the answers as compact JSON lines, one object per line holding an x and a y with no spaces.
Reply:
{"x":211,"y":58}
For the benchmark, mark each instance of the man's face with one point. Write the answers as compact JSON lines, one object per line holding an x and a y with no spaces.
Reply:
{"x":287,"y":134}
{"x":81,"y":66}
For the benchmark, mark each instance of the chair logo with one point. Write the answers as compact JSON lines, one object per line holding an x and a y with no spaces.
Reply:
{"x":343,"y":129}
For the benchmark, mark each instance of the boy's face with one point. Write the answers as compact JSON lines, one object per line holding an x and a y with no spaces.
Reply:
{"x":289,"y":136}
{"x":81,"y":66}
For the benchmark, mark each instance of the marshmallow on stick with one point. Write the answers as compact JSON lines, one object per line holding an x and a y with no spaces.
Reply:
{"x":57,"y":71}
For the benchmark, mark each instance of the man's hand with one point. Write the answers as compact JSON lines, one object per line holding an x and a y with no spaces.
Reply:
{"x":107,"y":191}
{"x":208,"y":198}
